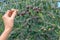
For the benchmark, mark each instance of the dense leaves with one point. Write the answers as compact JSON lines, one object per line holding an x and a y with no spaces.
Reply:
{"x":36,"y":19}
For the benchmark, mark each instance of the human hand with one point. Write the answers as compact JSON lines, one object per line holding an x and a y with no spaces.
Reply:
{"x":8,"y":18}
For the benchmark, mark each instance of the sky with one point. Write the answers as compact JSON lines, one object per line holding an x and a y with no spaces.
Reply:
{"x":58,"y":4}
{"x":1,"y":0}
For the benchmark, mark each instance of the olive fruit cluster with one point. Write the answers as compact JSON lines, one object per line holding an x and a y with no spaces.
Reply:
{"x":28,"y":7}
{"x":25,"y":12}
{"x":37,"y":9}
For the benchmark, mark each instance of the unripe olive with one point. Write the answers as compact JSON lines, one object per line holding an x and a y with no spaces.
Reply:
{"x":27,"y":10}
{"x":37,"y":11}
{"x":29,"y":6}
{"x":49,"y":29}
{"x":40,"y":9}
{"x":22,"y":13}
{"x":35,"y":8}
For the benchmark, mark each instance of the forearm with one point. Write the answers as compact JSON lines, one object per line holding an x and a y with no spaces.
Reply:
{"x":5,"y":34}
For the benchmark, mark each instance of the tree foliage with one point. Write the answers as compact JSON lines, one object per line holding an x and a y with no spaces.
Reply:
{"x":36,"y":19}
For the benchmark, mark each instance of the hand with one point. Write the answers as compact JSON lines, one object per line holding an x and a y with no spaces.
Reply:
{"x":8,"y":18}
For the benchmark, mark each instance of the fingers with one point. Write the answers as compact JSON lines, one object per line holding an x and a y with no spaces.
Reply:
{"x":14,"y":13}
{"x":11,"y":13}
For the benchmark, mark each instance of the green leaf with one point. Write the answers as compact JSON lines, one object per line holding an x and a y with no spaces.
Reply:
{"x":41,"y":15}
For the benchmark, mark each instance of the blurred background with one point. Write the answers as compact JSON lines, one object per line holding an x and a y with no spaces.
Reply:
{"x":36,"y":19}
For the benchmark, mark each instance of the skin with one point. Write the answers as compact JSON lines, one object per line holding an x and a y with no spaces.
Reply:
{"x":8,"y":19}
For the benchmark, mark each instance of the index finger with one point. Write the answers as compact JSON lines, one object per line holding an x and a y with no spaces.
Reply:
{"x":14,"y":13}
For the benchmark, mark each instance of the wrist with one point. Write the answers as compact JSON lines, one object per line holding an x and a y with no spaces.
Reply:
{"x":8,"y":28}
